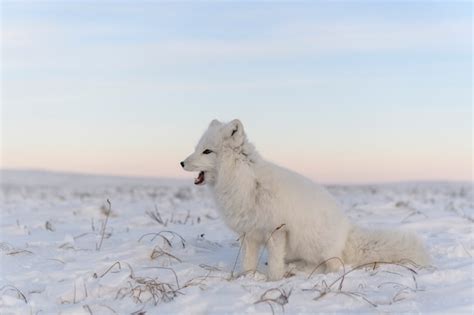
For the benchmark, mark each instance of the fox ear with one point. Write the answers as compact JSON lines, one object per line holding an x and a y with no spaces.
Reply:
{"x":235,"y":132}
{"x":214,"y":123}
{"x":236,"y":127}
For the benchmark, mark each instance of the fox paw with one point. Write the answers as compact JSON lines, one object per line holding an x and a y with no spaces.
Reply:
{"x":276,"y":274}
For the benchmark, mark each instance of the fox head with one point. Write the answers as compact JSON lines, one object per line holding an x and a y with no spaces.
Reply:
{"x":217,"y":139}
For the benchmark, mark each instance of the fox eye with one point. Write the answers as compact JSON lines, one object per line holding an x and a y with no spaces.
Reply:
{"x":207,"y":151}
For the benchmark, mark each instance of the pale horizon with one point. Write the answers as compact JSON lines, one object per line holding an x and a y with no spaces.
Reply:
{"x":339,"y":92}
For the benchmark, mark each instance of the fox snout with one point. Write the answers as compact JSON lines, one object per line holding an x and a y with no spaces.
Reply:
{"x":188,"y":165}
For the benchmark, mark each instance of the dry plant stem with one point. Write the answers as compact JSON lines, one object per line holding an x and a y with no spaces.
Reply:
{"x":108,"y":307}
{"x":342,"y":277}
{"x":281,"y":300}
{"x":139,"y":286}
{"x":209,"y":268}
{"x":158,"y":252}
{"x":58,"y":260}
{"x":325,"y":261}
{"x":355,"y":294}
{"x":155,"y":215}
{"x":395,"y":284}
{"x":74,"y":299}
{"x":19,"y":251}
{"x":271,"y":306}
{"x":82,"y":235}
{"x":11,"y":287}
{"x":85,"y":288}
{"x":170,"y":269}
{"x":200,"y":281}
{"x":110,"y":268}
{"x":139,"y":312}
{"x":98,"y":247}
{"x":88,"y":308}
{"x":183,"y":242}
{"x":237,"y":257}
{"x":327,"y":288}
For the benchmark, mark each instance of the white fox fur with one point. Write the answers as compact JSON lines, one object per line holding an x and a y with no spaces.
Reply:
{"x":296,"y":219}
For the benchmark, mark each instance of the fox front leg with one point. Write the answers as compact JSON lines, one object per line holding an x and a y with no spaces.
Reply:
{"x":251,"y":248}
{"x":276,"y":254}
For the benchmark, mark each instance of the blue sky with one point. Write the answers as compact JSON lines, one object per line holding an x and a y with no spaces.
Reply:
{"x":343,"y":91}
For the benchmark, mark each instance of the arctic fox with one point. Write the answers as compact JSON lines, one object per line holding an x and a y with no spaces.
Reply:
{"x":296,"y":219}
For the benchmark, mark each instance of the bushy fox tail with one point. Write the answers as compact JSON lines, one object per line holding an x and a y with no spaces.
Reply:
{"x":366,"y":245}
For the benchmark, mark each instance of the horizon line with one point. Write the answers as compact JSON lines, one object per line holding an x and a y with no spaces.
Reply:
{"x":185,"y":179}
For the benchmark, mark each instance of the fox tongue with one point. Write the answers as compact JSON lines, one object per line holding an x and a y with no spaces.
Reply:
{"x":199,"y":179}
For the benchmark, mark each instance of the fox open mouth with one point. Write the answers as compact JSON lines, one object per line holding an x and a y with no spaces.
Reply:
{"x":200,"y":179}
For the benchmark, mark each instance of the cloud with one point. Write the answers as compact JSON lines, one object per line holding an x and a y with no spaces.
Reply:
{"x":328,"y":39}
{"x":71,"y":47}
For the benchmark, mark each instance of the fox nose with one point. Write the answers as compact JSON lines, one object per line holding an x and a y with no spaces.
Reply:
{"x":182,"y":164}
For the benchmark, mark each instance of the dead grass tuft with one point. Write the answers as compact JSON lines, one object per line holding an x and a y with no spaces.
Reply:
{"x":324,"y":289}
{"x":156,"y":216}
{"x":146,"y":289}
{"x":275,"y":296}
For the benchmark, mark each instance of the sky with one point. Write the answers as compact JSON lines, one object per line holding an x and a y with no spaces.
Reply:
{"x":342,"y":92}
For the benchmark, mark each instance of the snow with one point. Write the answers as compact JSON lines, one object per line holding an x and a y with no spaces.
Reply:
{"x":182,"y":260}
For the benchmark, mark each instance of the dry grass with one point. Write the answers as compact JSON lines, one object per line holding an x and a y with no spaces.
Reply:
{"x":10,"y":287}
{"x":324,"y":262}
{"x":165,"y":239}
{"x":241,"y":238}
{"x":87,"y":308}
{"x":324,"y":289}
{"x":156,"y":216}
{"x":17,"y":251}
{"x":281,"y":298}
{"x":104,"y":225}
{"x":11,"y":250}
{"x":143,"y":290}
{"x":159,"y":252}
{"x":109,"y":269}
{"x":147,"y":289}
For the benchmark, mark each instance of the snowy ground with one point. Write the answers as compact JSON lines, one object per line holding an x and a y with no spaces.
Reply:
{"x":54,"y":260}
